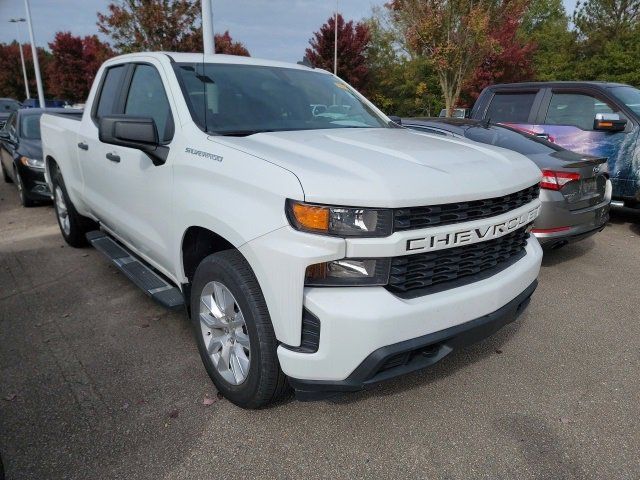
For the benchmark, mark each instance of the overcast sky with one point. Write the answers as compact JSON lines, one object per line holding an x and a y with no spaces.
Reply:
{"x":273,"y":29}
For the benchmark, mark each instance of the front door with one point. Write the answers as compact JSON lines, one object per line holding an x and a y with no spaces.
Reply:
{"x":140,"y":192}
{"x":568,"y":121}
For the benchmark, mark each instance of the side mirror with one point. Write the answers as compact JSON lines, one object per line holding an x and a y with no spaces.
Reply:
{"x":395,"y":119}
{"x":609,"y":122}
{"x":140,"y":133}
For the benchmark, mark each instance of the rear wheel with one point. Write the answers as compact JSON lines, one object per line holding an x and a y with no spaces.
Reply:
{"x":73,"y":226}
{"x":24,"y":200}
{"x":234,"y":332}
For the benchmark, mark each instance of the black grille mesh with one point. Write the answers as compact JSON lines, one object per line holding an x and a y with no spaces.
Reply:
{"x":412,"y":218}
{"x":424,"y":272}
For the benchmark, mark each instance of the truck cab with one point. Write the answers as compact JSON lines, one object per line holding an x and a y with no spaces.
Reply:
{"x":595,"y":118}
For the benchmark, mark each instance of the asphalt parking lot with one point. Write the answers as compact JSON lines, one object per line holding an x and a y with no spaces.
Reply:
{"x":96,"y":381}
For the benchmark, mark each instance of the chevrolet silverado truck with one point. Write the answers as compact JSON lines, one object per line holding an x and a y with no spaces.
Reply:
{"x":324,"y":252}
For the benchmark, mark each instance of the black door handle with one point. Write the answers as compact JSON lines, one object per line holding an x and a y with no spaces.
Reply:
{"x":83,"y":146}
{"x":113,"y":157}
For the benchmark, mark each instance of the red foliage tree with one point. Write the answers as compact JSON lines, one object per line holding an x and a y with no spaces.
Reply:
{"x":353,"y":40}
{"x":74,"y":64}
{"x":11,"y":79}
{"x":513,"y":59}
{"x":226,"y":45}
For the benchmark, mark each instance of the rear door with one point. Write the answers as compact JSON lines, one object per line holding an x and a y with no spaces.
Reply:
{"x":567,"y":116}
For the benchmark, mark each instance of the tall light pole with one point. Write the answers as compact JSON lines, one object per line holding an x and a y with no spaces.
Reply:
{"x":335,"y":42}
{"x":207,"y":28}
{"x":34,"y":52}
{"x":24,"y":68}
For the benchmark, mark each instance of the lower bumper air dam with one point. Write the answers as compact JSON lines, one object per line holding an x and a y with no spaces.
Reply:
{"x":414,"y":354}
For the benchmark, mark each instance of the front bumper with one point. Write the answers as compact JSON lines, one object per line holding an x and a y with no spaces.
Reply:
{"x":34,"y":183}
{"x":357,"y":321}
{"x":417,"y":353}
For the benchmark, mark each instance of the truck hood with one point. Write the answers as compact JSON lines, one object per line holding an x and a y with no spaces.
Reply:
{"x":389,"y":167}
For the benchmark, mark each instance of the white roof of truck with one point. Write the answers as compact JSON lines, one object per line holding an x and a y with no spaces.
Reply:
{"x":217,"y":58}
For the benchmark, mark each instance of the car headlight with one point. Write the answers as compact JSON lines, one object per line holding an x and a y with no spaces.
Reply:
{"x":349,"y":272}
{"x":32,"y":163}
{"x":339,"y":221}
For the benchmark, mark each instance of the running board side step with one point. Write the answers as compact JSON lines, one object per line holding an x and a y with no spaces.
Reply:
{"x":144,"y":277}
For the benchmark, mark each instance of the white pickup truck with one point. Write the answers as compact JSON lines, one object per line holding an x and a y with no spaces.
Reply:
{"x":313,"y":242}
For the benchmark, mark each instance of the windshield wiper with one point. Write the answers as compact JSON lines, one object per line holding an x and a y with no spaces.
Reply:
{"x":241,"y":133}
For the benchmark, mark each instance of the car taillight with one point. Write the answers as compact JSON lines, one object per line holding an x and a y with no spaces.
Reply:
{"x":552,"y":180}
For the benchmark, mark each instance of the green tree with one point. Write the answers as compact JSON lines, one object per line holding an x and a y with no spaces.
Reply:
{"x":609,"y":40}
{"x":546,"y":25}
{"x":399,"y":84}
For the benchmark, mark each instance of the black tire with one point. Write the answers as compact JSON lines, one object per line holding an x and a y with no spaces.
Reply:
{"x":24,"y":200}
{"x":78,"y":225}
{"x":265,"y":383}
{"x":5,"y":175}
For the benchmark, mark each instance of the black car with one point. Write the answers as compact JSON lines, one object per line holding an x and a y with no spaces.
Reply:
{"x":7,"y":107}
{"x":21,"y":156}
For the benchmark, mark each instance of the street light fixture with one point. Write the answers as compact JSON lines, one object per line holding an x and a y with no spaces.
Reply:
{"x":24,"y":68}
{"x":34,"y":51}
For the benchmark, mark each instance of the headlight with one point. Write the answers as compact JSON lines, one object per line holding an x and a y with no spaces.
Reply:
{"x":339,"y":221}
{"x":349,"y":272}
{"x":32,"y":163}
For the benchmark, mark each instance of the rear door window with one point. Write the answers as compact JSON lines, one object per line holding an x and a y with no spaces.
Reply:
{"x":575,"y":109}
{"x":110,"y":91}
{"x":508,"y":107}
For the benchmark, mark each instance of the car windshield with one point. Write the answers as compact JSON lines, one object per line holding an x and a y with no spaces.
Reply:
{"x":245,"y":99}
{"x":7,"y":106}
{"x":30,"y":126}
{"x":507,"y":138}
{"x":629,"y":96}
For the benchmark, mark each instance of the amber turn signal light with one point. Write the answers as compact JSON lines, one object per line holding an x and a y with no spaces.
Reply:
{"x":311,"y":217}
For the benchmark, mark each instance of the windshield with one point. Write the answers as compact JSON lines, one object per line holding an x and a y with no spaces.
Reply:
{"x":245,"y":99}
{"x":506,"y":138}
{"x":7,"y":106}
{"x":629,"y":96}
{"x":30,"y":126}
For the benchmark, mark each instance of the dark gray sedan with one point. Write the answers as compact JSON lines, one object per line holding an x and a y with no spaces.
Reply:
{"x":575,"y":189}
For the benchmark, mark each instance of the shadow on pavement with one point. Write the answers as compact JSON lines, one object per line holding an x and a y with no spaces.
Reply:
{"x":567,"y":253}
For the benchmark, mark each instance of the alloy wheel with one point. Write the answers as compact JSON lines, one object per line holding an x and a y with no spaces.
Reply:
{"x":224,"y":332}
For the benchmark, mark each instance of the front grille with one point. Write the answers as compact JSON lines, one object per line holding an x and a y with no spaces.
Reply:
{"x":431,"y":272}
{"x":412,"y":218}
{"x":2,"y":122}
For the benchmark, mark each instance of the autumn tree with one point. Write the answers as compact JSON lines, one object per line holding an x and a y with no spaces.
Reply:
{"x":451,"y":35}
{"x":169,"y":25}
{"x":511,"y":59}
{"x":11,"y":79}
{"x":353,"y":40}
{"x":75,"y":62}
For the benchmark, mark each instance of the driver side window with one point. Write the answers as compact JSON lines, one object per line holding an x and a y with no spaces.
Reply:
{"x":575,"y":109}
{"x":147,"y":98}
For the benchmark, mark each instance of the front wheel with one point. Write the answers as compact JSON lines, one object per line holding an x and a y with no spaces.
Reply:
{"x":24,"y":200}
{"x":233,"y":330}
{"x":73,"y":226}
